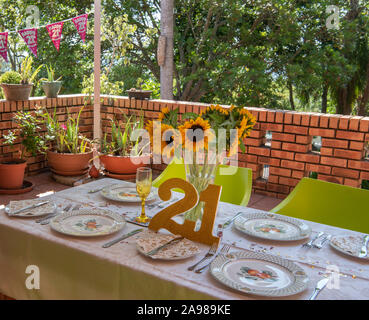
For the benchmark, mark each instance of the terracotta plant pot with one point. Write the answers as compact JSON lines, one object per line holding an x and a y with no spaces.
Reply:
{"x":12,"y":174}
{"x":123,"y":165}
{"x":17,"y":92}
{"x":69,"y":164}
{"x":51,"y":89}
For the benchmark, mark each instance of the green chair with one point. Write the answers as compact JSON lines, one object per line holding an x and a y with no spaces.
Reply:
{"x":173,"y":170}
{"x":328,"y":203}
{"x":236,"y":188}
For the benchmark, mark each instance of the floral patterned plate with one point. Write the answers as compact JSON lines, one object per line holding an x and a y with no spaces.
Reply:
{"x":272,"y":227}
{"x":88,"y":223}
{"x":259,"y":274}
{"x":349,"y":245}
{"x":123,"y":193}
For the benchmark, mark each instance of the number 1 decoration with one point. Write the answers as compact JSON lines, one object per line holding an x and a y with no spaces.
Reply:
{"x":210,"y":197}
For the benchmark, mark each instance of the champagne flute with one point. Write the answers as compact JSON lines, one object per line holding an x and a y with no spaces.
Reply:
{"x":143,"y":187}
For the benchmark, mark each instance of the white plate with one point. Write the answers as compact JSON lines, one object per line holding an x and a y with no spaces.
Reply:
{"x":88,"y":223}
{"x":349,"y":245}
{"x":31,"y":213}
{"x":177,"y":251}
{"x":259,"y":274}
{"x":123,"y":193}
{"x":272,"y":227}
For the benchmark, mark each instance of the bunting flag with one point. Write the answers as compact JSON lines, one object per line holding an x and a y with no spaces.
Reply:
{"x":81,"y":25}
{"x":30,"y":38}
{"x":4,"y":45}
{"x":55,"y":32}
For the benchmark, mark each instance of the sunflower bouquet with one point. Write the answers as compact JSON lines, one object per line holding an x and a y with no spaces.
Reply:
{"x":203,"y":140}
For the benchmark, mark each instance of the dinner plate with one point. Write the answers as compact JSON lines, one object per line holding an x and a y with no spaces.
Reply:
{"x":349,"y":245}
{"x":259,"y":274}
{"x":272,"y":227}
{"x":176,"y":251}
{"x":30,"y":213}
{"x":123,"y":193}
{"x":87,"y":222}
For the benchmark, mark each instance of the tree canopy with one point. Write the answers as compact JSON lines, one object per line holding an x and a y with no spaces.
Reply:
{"x":262,"y":53}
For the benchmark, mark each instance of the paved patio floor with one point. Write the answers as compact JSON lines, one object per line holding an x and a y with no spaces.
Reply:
{"x":44,"y":184}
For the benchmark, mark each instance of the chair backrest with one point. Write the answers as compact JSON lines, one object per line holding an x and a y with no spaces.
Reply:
{"x":236,"y":188}
{"x":175,"y":169}
{"x":328,"y":203}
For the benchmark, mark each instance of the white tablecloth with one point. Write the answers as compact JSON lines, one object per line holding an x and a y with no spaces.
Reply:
{"x":74,"y":268}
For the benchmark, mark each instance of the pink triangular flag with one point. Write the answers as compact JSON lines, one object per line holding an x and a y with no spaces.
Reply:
{"x":81,"y":24}
{"x":30,"y":38}
{"x":55,"y":32}
{"x":4,"y":45}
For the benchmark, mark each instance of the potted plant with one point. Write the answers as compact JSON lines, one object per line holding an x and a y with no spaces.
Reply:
{"x":118,"y":153}
{"x":51,"y":86}
{"x":70,"y":152}
{"x":18,"y":86}
{"x":31,"y":143}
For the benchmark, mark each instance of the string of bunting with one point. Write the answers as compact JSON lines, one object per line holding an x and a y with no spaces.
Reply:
{"x":55,"y":30}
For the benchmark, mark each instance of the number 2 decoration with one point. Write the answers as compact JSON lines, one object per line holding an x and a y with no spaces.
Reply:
{"x":210,"y":196}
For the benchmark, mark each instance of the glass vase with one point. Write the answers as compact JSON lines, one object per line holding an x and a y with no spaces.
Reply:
{"x":200,"y":175}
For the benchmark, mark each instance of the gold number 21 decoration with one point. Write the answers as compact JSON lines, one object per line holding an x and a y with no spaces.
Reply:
{"x":210,"y":196}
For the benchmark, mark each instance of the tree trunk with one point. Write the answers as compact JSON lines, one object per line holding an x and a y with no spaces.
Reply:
{"x":324,"y":99}
{"x":292,"y":102}
{"x":365,"y":97}
{"x":166,"y":30}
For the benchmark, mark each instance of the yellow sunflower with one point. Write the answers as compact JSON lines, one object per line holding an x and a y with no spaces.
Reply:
{"x":163,"y":113}
{"x":213,"y":108}
{"x":167,"y":135}
{"x":188,"y":129}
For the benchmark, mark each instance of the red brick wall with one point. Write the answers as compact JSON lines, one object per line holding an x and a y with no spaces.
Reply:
{"x":7,"y":109}
{"x":289,"y":156}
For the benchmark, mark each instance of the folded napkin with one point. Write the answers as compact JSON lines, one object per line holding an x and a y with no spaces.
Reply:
{"x":41,"y":210}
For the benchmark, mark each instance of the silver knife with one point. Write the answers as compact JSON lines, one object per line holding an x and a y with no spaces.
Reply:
{"x":319,"y":287}
{"x":229,"y":222}
{"x":156,"y":250}
{"x":28,"y":208}
{"x":364,"y":251}
{"x":125,"y":236}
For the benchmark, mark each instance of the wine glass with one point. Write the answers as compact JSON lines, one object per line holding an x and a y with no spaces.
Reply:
{"x":143,"y":187}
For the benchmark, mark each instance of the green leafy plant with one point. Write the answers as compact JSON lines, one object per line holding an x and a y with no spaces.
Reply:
{"x":50,"y":75}
{"x":119,"y":142}
{"x":28,"y":133}
{"x":65,"y":138}
{"x":11,"y":77}
{"x":27,"y":73}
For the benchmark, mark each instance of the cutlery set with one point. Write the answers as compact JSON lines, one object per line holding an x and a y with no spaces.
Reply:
{"x":318,"y":241}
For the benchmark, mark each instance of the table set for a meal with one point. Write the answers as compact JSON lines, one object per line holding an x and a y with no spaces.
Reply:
{"x":93,"y":242}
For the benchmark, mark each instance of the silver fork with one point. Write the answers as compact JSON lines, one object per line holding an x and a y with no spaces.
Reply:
{"x":224,"y":250}
{"x":47,"y":221}
{"x":66,"y":208}
{"x":321,"y":243}
{"x":310,"y":243}
{"x":209,"y":254}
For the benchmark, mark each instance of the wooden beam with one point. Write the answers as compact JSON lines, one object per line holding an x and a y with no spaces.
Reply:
{"x":97,"y":69}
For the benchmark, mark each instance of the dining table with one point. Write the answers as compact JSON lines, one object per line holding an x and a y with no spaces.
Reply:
{"x":80,"y":268}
